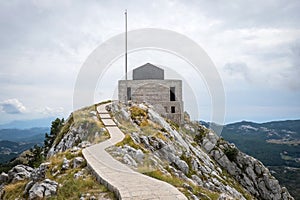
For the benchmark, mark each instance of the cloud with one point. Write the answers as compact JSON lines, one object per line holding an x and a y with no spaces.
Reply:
{"x":12,"y":106}
{"x":51,"y":111}
{"x":238,"y":69}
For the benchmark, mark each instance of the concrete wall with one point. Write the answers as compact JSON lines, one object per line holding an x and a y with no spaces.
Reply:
{"x":157,"y":93}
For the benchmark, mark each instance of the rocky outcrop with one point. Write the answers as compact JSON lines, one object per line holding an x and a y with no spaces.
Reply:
{"x":19,"y":172}
{"x":165,"y":144}
{"x":249,"y":172}
{"x":80,"y":129}
{"x":74,"y":137}
{"x":39,"y":174}
{"x":43,"y":189}
{"x":196,"y":155}
{"x":39,"y":186}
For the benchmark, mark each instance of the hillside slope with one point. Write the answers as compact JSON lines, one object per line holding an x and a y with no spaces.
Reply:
{"x":188,"y":156}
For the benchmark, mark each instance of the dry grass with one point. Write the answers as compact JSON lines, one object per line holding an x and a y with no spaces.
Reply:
{"x":15,"y":190}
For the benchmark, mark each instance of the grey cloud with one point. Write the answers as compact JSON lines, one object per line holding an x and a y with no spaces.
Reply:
{"x":248,"y":13}
{"x":237,"y":68}
{"x":293,"y":72}
{"x":12,"y":106}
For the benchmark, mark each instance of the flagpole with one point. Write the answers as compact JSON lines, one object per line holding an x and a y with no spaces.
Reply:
{"x":126,"y":44}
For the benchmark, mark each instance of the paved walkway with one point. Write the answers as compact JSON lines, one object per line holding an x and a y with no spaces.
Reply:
{"x":120,"y":179}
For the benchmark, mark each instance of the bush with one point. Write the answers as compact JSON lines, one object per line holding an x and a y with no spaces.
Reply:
{"x":201,"y":133}
{"x":231,"y":153}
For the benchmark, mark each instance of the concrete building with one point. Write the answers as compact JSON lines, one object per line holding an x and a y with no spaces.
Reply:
{"x":148,"y":85}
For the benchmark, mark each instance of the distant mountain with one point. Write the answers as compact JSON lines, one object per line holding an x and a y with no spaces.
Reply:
{"x":26,"y":124}
{"x":15,"y":141}
{"x":23,"y":135}
{"x":274,"y":143}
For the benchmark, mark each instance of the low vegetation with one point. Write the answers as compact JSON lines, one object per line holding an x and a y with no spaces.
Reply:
{"x":231,"y":153}
{"x":179,"y":183}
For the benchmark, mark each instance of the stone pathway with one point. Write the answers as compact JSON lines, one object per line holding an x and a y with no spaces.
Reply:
{"x":117,"y":177}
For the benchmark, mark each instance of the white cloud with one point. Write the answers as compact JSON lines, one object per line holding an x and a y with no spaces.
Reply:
{"x":12,"y":106}
{"x":51,"y":111}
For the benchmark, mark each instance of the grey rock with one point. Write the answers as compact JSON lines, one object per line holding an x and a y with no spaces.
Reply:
{"x":84,"y":144}
{"x":78,"y":161}
{"x":187,"y":186}
{"x":43,"y":189}
{"x":74,"y":149}
{"x":79,"y":174}
{"x":19,"y":172}
{"x":3,"y":178}
{"x":39,"y":173}
{"x":129,"y":160}
{"x":92,"y":198}
{"x":224,"y":196}
{"x":2,"y":191}
{"x":139,"y":155}
{"x":28,"y":186}
{"x":65,"y":164}
{"x":135,"y":137}
{"x":182,"y":165}
{"x":197,"y":180}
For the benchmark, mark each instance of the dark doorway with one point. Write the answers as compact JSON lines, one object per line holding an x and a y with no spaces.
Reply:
{"x":129,"y":93}
{"x":172,"y":94}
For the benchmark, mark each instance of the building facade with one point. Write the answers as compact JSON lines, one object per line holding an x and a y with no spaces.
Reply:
{"x":148,"y":85}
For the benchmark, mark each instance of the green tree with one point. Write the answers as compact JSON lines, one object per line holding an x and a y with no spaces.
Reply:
{"x":56,"y":125}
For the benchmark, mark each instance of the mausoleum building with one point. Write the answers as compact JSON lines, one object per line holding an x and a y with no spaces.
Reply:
{"x":150,"y":86}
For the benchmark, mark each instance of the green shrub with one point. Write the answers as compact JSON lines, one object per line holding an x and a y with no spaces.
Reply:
{"x":137,"y":112}
{"x":231,"y":153}
{"x":201,"y":133}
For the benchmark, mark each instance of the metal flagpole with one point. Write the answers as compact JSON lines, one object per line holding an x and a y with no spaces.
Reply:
{"x":126,"y":44}
{"x":126,"y":95}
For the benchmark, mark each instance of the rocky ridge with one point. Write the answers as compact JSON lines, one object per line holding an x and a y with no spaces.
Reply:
{"x":191,"y":153}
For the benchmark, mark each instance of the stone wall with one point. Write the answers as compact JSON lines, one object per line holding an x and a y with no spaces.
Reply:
{"x":156,"y":93}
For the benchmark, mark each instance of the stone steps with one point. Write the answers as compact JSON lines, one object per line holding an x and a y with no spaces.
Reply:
{"x":119,"y":178}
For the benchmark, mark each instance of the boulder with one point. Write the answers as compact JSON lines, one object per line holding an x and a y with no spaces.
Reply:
{"x":182,"y":165}
{"x":43,"y":189}
{"x":78,"y":161}
{"x":3,"y":178}
{"x":19,"y":172}
{"x":39,"y":173}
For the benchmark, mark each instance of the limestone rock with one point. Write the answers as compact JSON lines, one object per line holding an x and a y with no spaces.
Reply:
{"x":43,"y":189}
{"x":78,"y":161}
{"x":39,"y":173}
{"x":19,"y":172}
{"x":250,"y":173}
{"x":129,"y":160}
{"x":182,"y":165}
{"x":3,"y":178}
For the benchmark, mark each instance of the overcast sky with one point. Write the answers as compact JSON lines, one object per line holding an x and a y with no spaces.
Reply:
{"x":255,"y":46}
